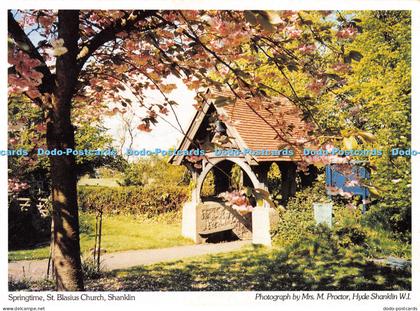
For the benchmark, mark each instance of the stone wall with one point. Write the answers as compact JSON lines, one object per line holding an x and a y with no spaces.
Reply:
{"x":212,"y":215}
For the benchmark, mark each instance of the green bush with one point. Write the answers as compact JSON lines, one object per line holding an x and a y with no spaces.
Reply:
{"x":90,"y":269}
{"x":294,"y":222}
{"x":150,"y":200}
{"x":348,"y":228}
{"x":392,"y":218}
{"x":298,"y":219}
{"x":208,"y":188}
{"x":351,"y":236}
{"x":317,"y":240}
{"x":86,"y":226}
{"x":154,"y":169}
{"x":351,"y":231}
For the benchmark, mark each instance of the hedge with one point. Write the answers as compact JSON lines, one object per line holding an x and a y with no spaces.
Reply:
{"x":150,"y":200}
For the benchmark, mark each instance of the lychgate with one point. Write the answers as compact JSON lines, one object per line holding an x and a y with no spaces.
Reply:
{"x":250,"y":137}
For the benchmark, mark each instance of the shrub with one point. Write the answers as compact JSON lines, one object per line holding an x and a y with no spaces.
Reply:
{"x":274,"y":183}
{"x":294,"y":222}
{"x":392,"y":218}
{"x":19,"y":285}
{"x":348,"y":227}
{"x":317,"y":240}
{"x":90,"y":269}
{"x":152,"y":170}
{"x":351,"y":236}
{"x":208,"y":188}
{"x":86,"y":226}
{"x":297,"y":222}
{"x":392,"y":209}
{"x":351,"y":232}
{"x":150,"y":200}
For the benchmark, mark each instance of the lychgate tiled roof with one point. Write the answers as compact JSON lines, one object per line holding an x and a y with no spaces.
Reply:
{"x":272,"y":125}
{"x":262,"y":123}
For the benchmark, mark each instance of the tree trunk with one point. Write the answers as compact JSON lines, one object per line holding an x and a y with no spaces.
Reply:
{"x":60,"y":136}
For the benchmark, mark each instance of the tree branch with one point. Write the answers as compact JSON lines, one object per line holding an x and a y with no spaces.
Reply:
{"x":110,"y":33}
{"x":26,"y":45}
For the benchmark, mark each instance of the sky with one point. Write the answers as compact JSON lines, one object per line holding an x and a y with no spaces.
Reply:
{"x":163,"y":135}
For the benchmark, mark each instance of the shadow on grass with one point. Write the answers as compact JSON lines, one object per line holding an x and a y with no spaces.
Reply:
{"x":308,"y":265}
{"x":258,"y":269}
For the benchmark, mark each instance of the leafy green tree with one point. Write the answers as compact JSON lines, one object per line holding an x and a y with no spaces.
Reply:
{"x":26,"y":132}
{"x":367,"y":102}
{"x":154,"y":170}
{"x":381,"y":96}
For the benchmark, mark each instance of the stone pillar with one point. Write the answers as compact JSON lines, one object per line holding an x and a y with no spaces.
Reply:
{"x":261,"y":226}
{"x":189,"y":221}
{"x":189,"y":212}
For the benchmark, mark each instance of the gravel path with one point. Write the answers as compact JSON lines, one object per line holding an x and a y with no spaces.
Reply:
{"x":37,"y":269}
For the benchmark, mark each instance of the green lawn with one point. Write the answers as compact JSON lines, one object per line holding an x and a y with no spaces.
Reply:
{"x":119,"y":233}
{"x":258,"y":269}
{"x":250,"y":269}
{"x":105,"y":182}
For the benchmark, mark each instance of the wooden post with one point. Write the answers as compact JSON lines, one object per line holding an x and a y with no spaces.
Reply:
{"x":99,"y":241}
{"x":221,"y":176}
{"x":262,"y":171}
{"x":288,"y":180}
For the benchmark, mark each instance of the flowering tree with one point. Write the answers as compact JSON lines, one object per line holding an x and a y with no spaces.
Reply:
{"x":78,"y":60}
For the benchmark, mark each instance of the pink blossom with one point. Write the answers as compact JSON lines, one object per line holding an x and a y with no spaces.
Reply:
{"x":27,"y":78}
{"x":145,"y":127}
{"x":316,"y":85}
{"x":306,"y":48}
{"x":352,"y":183}
{"x":341,"y":67}
{"x":288,"y":13}
{"x":191,"y":14}
{"x":16,"y":186}
{"x":343,"y":104}
{"x":152,"y":114}
{"x":237,"y":200}
{"x":332,"y":190}
{"x":366,"y":201}
{"x":292,"y":32}
{"x":351,"y":206}
{"x":347,"y":33}
{"x":41,"y":127}
{"x":46,"y":21}
{"x":329,"y":147}
{"x":338,"y":191}
{"x":222,"y":117}
{"x":34,"y":93}
{"x":164,"y":110}
{"x":325,"y":13}
{"x":345,"y":194}
{"x":13,"y":141}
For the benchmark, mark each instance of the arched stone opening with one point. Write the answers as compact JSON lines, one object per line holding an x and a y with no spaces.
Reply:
{"x":221,"y":169}
{"x":213,"y":217}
